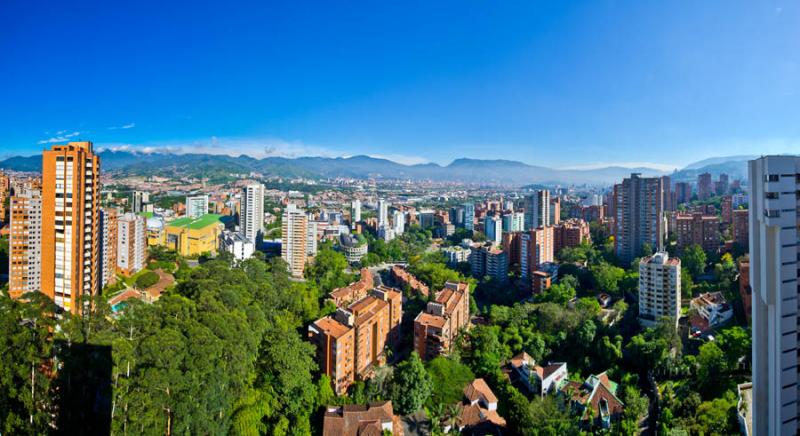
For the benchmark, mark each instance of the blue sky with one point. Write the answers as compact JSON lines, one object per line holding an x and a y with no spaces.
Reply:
{"x":560,"y":84}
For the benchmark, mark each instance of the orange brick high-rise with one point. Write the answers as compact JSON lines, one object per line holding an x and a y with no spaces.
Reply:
{"x":352,"y":341}
{"x":70,"y":223}
{"x":436,"y":328}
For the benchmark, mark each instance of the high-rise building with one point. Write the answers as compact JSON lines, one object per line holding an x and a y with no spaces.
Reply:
{"x":352,"y":341}
{"x":683,"y":193}
{"x":25,"y":242}
{"x":570,"y":233}
{"x":666,"y":192}
{"x":740,"y":229}
{"x":399,"y":222}
{"x":774,"y":221}
{"x":426,"y":219}
{"x":537,"y":210}
{"x":723,"y":185}
{"x":436,"y":328}
{"x":493,"y":227}
{"x":383,"y":213}
{"x":457,"y":216}
{"x":5,"y":183}
{"x":140,"y":199}
{"x":70,"y":224}
{"x":294,"y":239}
{"x":513,"y":222}
{"x":355,"y":212}
{"x":705,"y":189}
{"x":196,"y":206}
{"x":536,"y":247}
{"x":108,"y":249}
{"x":727,"y":209}
{"x":555,"y":211}
{"x":251,"y":217}
{"x":659,"y":288}
{"x":311,"y":237}
{"x":639,"y":217}
{"x":697,"y":229}
{"x":469,"y":216}
{"x":131,"y":243}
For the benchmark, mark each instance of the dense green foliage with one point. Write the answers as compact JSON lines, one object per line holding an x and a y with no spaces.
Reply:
{"x":222,"y":353}
{"x":147,"y":279}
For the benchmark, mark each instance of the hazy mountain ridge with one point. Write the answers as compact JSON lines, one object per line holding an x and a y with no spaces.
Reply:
{"x":468,"y":170}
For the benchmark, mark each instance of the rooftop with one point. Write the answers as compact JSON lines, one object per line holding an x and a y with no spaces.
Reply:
{"x":200,"y":222}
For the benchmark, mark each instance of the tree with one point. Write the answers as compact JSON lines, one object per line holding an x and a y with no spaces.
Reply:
{"x":606,"y":277}
{"x":635,"y":403}
{"x":694,"y":260}
{"x":149,"y":278}
{"x":735,"y":342}
{"x":411,"y":385}
{"x":448,"y":379}
{"x":712,"y":367}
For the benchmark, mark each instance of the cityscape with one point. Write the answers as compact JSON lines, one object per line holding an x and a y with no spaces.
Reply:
{"x":171,"y":285}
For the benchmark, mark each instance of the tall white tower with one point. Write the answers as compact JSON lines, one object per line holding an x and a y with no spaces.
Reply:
{"x":774,"y":186}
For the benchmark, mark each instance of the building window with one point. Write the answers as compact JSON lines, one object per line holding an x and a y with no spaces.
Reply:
{"x":771,"y":177}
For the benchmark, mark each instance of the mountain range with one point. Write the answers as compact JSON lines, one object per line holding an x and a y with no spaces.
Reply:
{"x":464,"y":170}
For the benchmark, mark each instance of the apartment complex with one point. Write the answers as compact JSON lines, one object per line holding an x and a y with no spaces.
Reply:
{"x":354,"y":339}
{"x":70,"y":223}
{"x":251,"y":217}
{"x":570,"y":233}
{"x":436,"y":328}
{"x":537,"y":210}
{"x":638,"y":216}
{"x":697,"y":229}
{"x":25,"y":242}
{"x":659,"y":288}
{"x":774,"y":255}
{"x":294,"y":239}
{"x":488,"y":260}
{"x":740,"y":228}
{"x":536,"y":247}
{"x":705,"y":188}
{"x":469,"y":216}
{"x":131,"y":243}
{"x":108,"y":250}
{"x":493,"y":228}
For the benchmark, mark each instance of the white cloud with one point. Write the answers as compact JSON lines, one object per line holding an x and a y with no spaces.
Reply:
{"x":124,"y":126}
{"x":61,"y":136}
{"x":254,"y":147}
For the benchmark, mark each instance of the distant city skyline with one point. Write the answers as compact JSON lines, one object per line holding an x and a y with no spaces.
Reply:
{"x":664,"y":85}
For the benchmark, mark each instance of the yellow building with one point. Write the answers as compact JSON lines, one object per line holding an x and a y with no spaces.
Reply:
{"x":194,"y":236}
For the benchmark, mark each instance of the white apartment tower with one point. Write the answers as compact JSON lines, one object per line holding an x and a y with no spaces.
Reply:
{"x":25,"y":242}
{"x":774,"y":254}
{"x":196,"y":206}
{"x":251,"y":216}
{"x":469,"y":216}
{"x":659,"y":288}
{"x":383,"y":213}
{"x":294,"y":239}
{"x":399,"y":222}
{"x":131,"y":243}
{"x":311,"y":237}
{"x":537,"y":210}
{"x":355,"y":212}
